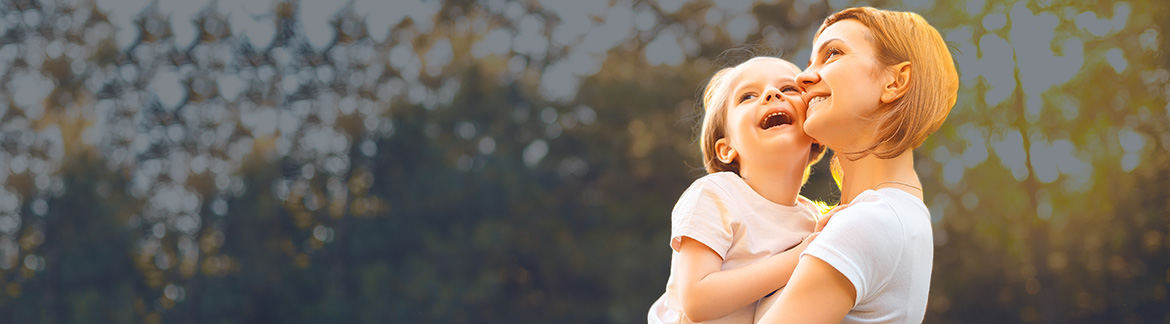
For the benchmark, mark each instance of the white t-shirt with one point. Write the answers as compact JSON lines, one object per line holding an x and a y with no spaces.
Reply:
{"x":884,"y":245}
{"x":721,"y":211}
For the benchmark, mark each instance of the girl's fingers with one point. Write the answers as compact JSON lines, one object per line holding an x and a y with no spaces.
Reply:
{"x":825,"y":219}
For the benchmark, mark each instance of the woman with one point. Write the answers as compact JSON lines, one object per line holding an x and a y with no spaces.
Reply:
{"x":877,"y":84}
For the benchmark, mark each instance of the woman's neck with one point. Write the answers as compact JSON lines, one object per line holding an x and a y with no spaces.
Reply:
{"x":776,"y":183}
{"x":870,"y":172}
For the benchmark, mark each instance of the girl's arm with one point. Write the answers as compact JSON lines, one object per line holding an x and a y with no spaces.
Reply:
{"x":817,"y":293}
{"x":708,"y":292}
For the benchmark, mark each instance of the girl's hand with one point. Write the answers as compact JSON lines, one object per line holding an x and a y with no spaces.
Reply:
{"x":824,"y":220}
{"x":807,"y":240}
{"x":799,"y":248}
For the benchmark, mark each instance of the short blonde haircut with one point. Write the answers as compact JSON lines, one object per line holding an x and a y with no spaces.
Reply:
{"x":714,"y":125}
{"x":906,"y":37}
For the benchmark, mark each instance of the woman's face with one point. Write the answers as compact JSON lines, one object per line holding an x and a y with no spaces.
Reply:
{"x":842,"y":87}
{"x":766,"y":113}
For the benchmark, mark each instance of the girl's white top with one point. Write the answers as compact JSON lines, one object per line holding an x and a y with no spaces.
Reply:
{"x":721,"y":211}
{"x":883,"y":243}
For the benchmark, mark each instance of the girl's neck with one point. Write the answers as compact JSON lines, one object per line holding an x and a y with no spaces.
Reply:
{"x":779,"y":184}
{"x":870,"y":172}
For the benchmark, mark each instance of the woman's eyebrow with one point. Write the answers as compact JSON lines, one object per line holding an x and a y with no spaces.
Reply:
{"x":827,"y":41}
{"x":822,"y":47}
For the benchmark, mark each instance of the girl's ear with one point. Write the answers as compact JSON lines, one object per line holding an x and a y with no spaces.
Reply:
{"x":899,"y":84}
{"x":725,"y":153}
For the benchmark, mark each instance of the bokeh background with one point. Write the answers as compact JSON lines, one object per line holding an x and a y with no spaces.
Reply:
{"x":403,"y":161}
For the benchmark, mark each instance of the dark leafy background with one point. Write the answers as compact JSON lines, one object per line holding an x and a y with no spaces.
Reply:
{"x":516,"y":161}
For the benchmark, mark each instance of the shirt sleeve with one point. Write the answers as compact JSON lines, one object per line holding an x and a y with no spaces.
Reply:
{"x":864,"y":243}
{"x":702,"y":214}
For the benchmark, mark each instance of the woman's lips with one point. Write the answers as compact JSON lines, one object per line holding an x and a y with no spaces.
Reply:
{"x":816,"y":100}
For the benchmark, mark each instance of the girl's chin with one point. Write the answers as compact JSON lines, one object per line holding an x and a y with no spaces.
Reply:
{"x":788,"y":145}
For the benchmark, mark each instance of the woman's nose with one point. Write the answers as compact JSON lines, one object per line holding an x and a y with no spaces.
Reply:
{"x":807,"y":78}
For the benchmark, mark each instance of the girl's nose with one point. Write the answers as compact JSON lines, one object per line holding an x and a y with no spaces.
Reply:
{"x":771,"y":93}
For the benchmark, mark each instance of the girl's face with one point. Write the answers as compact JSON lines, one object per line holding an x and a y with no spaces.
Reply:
{"x":843,"y":87}
{"x":765,"y":115}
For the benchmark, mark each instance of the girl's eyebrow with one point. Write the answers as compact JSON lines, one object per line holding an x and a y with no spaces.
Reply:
{"x":737,"y":92}
{"x":787,"y":81}
{"x":740,"y":87}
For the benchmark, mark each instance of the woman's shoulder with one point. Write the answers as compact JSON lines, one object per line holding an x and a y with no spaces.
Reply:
{"x":867,"y":202}
{"x":896,"y":202}
{"x":886,"y":209}
{"x":867,"y":211}
{"x":886,"y":200}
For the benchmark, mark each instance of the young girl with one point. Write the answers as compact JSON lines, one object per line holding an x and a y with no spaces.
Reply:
{"x":737,"y":232}
{"x":878,"y":83}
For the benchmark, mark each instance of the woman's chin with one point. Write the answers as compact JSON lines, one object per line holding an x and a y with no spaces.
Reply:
{"x":814,"y":131}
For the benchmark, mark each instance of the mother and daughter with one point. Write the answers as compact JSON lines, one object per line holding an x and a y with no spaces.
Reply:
{"x":878,"y":83}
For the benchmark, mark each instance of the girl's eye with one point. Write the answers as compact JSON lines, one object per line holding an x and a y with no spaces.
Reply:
{"x":789,"y":88}
{"x":746,"y":97}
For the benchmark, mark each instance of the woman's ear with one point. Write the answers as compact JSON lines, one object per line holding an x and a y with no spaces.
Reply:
{"x":899,"y":84}
{"x":724,"y":152}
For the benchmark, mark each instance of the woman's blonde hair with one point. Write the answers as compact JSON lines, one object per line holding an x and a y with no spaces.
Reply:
{"x":714,"y":125}
{"x":906,"y":37}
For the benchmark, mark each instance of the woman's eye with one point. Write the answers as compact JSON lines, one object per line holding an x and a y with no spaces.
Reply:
{"x":831,"y":52}
{"x":746,"y":97}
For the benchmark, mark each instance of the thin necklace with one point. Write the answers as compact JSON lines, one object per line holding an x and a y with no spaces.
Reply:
{"x":897,"y":182}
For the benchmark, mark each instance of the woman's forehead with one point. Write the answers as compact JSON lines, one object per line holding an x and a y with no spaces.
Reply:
{"x":850,"y":31}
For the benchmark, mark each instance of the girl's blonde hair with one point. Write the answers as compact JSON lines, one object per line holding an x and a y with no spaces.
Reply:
{"x":714,"y":126}
{"x":906,"y":37}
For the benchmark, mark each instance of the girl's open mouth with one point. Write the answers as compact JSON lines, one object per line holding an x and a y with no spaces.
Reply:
{"x":775,"y":119}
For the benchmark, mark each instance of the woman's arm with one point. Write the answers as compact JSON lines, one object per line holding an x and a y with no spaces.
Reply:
{"x":817,"y":293}
{"x":708,"y":292}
